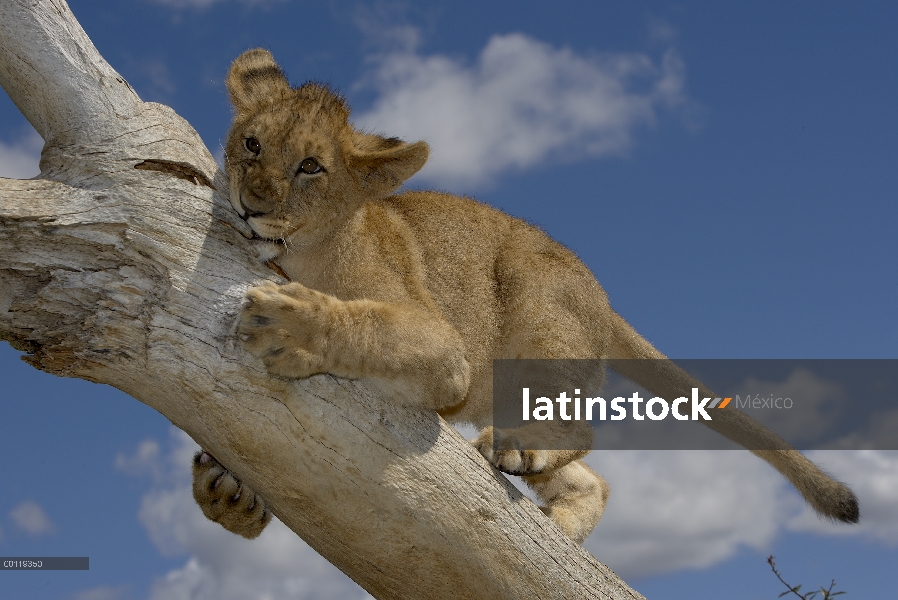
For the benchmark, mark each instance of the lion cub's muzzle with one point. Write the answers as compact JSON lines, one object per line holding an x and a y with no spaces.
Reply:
{"x":254,"y":205}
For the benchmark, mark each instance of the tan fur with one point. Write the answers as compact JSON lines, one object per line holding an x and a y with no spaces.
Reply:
{"x":418,"y":292}
{"x":225,"y":500}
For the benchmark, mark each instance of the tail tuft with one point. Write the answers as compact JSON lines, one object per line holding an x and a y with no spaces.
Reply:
{"x":847,"y":508}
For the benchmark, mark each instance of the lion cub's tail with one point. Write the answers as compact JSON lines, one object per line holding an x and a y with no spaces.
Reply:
{"x":661,"y":376}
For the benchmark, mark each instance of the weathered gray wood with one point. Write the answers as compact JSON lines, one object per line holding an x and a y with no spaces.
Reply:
{"x":123,"y":264}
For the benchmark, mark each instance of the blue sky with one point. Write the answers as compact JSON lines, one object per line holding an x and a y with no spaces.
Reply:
{"x":729,"y":173}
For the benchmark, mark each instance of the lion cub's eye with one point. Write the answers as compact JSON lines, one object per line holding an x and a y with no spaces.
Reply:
{"x":310,"y":166}
{"x":253,"y":145}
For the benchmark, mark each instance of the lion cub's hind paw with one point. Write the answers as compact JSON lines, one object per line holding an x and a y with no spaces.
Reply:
{"x":505,"y":452}
{"x":227,"y":501}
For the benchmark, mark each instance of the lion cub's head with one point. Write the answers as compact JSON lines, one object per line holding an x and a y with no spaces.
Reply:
{"x":296,"y":165}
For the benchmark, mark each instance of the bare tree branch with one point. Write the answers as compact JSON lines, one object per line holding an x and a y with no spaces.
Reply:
{"x":123,"y":264}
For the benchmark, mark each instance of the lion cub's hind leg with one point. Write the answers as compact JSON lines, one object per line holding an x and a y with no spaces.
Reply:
{"x":574,"y":497}
{"x":534,"y":449}
{"x":546,"y":454}
{"x":227,"y":501}
{"x":559,"y":312}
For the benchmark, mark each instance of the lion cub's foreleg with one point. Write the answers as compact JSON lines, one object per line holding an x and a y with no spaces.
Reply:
{"x":227,"y":501}
{"x":299,"y":332}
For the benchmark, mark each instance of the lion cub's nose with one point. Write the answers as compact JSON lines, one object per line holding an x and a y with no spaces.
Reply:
{"x":254,"y":205}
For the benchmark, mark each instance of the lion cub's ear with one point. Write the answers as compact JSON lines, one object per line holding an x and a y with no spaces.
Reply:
{"x":380,"y":165}
{"x":254,"y":78}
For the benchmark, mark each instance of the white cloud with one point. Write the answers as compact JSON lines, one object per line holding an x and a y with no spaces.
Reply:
{"x":523,"y":104}
{"x":20,"y":159}
{"x":379,"y":25}
{"x":31,"y":518}
{"x":103,"y":592}
{"x":687,"y":509}
{"x":691,"y":509}
{"x":146,"y":460}
{"x":221,"y":565}
{"x":676,"y":510}
{"x":673,"y":510}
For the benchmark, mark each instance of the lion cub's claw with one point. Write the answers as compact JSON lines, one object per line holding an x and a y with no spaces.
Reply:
{"x":282,"y":325}
{"x":227,"y":501}
{"x":505,"y":452}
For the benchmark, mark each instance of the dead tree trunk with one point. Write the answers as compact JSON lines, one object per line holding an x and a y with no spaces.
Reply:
{"x":123,"y":264}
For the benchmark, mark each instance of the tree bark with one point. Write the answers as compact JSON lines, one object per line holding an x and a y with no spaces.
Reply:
{"x":122,"y":263}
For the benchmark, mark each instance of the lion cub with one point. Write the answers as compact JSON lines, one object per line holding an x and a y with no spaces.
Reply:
{"x":417,"y":293}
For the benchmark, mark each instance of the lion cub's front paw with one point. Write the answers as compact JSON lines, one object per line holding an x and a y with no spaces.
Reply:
{"x":286,"y":327}
{"x":227,"y":501}
{"x":507,"y":453}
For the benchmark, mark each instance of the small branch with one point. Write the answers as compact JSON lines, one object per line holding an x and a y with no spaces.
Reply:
{"x":794,"y":590}
{"x":827,"y":592}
